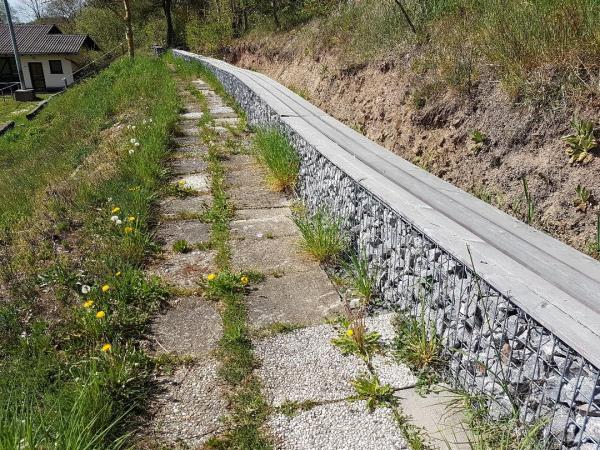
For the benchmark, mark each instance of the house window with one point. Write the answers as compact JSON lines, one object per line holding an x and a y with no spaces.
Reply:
{"x":8,"y":70}
{"x":56,"y":66}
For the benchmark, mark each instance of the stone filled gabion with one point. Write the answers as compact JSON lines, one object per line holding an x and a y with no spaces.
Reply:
{"x":492,"y":347}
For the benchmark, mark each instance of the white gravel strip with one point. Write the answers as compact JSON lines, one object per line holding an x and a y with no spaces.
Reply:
{"x":337,"y":426}
{"x":391,"y":372}
{"x":382,"y":323}
{"x":304,"y":365}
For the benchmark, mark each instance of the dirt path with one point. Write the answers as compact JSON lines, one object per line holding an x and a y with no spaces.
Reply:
{"x":304,"y":378}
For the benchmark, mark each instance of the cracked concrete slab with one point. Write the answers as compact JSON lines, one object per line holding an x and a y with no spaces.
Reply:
{"x":263,"y":224}
{"x":305,"y":298}
{"x":303,"y":365}
{"x":186,"y":269}
{"x":190,"y":408}
{"x":270,"y":255}
{"x":188,"y":166}
{"x":190,"y":326}
{"x":173,"y":206}
{"x":192,"y":231}
{"x":194,"y":115}
{"x":335,"y":426}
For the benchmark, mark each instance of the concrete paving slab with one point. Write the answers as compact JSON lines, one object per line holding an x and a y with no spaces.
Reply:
{"x":261,"y":213}
{"x":336,"y":426}
{"x":172,"y":206}
{"x":190,"y":408}
{"x":189,"y":131}
{"x":188,"y":166}
{"x":192,"y":231}
{"x":443,"y":425}
{"x":190,"y":326}
{"x":304,"y":365}
{"x":221,"y":111}
{"x":201,"y":85}
{"x":243,"y":163}
{"x":267,"y":224}
{"x":224,"y":121}
{"x":184,"y":270}
{"x":185,"y":141}
{"x":197,"y":181}
{"x":194,"y":115}
{"x":255,"y":196}
{"x":305,"y":298}
{"x":271,"y":255}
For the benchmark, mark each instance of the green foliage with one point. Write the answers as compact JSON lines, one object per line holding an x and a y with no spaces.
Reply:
{"x":279,"y":157}
{"x":418,"y":346}
{"x":478,"y":137}
{"x":362,"y":277}
{"x":322,"y":235}
{"x":354,"y":339}
{"x":530,"y":212}
{"x":581,"y":141}
{"x":182,"y":246}
{"x":225,"y":283}
{"x":208,"y":38}
{"x":583,"y":198}
{"x":369,"y":388}
{"x":290,"y":408}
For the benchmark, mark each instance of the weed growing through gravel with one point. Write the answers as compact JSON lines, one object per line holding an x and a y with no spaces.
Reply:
{"x":322,"y":235}
{"x":369,"y":388}
{"x":274,"y":151}
{"x":182,"y":246}
{"x":363,"y":278}
{"x":353,"y":338}
{"x":290,"y":408}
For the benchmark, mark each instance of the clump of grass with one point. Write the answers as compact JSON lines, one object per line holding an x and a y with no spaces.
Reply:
{"x":369,"y":388}
{"x":478,"y":137}
{"x":322,"y":235}
{"x":277,"y":328}
{"x":279,"y":157}
{"x":417,"y":345}
{"x":502,"y":434}
{"x":363,"y":279}
{"x":290,"y":408}
{"x":581,"y":141}
{"x":182,"y":246}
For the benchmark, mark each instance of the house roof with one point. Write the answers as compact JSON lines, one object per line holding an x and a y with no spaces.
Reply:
{"x":43,"y":39}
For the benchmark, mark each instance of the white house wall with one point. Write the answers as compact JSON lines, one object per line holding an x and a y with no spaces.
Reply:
{"x":53,"y":81}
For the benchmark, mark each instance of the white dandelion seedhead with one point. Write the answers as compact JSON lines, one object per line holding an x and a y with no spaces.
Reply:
{"x":132,"y":140}
{"x":114,"y":218}
{"x":131,"y":151}
{"x":85,"y":289}
{"x":137,"y":144}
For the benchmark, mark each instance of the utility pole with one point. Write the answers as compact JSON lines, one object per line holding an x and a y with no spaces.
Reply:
{"x":14,"y":44}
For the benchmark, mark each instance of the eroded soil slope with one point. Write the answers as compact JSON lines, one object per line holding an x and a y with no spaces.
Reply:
{"x":388,"y":102}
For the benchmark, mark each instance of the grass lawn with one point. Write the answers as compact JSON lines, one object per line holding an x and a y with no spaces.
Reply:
{"x":77,"y":187}
{"x":11,"y":110}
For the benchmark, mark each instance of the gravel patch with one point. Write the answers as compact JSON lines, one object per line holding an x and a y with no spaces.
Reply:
{"x":337,"y":426}
{"x":382,"y":323}
{"x":391,"y":372}
{"x":304,"y":365}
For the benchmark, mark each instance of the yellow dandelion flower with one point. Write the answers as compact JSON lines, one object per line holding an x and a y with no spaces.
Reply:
{"x":100,"y":315}
{"x":131,"y":218}
{"x":118,"y":274}
{"x":181,"y":182}
{"x":211,"y":276}
{"x":244,"y":280}
{"x":106,"y":348}
{"x":115,"y":210}
{"x":88,"y":304}
{"x":350,"y":332}
{"x":105,"y":288}
{"x":128,"y":230}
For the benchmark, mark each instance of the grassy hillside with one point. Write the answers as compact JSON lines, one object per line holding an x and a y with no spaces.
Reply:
{"x":76,"y":191}
{"x":481,"y":94}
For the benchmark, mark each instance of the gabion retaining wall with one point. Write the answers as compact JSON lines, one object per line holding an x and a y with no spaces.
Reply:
{"x":492,"y":347}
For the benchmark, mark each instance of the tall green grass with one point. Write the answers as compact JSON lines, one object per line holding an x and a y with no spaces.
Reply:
{"x":58,"y":389}
{"x":275,"y":152}
{"x":522,"y":42}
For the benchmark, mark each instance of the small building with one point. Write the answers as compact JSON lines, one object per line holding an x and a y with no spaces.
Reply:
{"x":48,"y":57}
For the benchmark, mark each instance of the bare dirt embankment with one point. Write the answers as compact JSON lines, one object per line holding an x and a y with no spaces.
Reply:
{"x":392,"y":105}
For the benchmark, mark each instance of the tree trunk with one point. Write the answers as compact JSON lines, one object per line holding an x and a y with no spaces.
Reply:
{"x":169,"y":17}
{"x":274,"y":6}
{"x":129,"y":32}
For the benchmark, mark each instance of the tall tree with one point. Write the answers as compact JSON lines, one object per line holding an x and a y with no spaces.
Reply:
{"x":167,"y":9}
{"x":34,"y":9}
